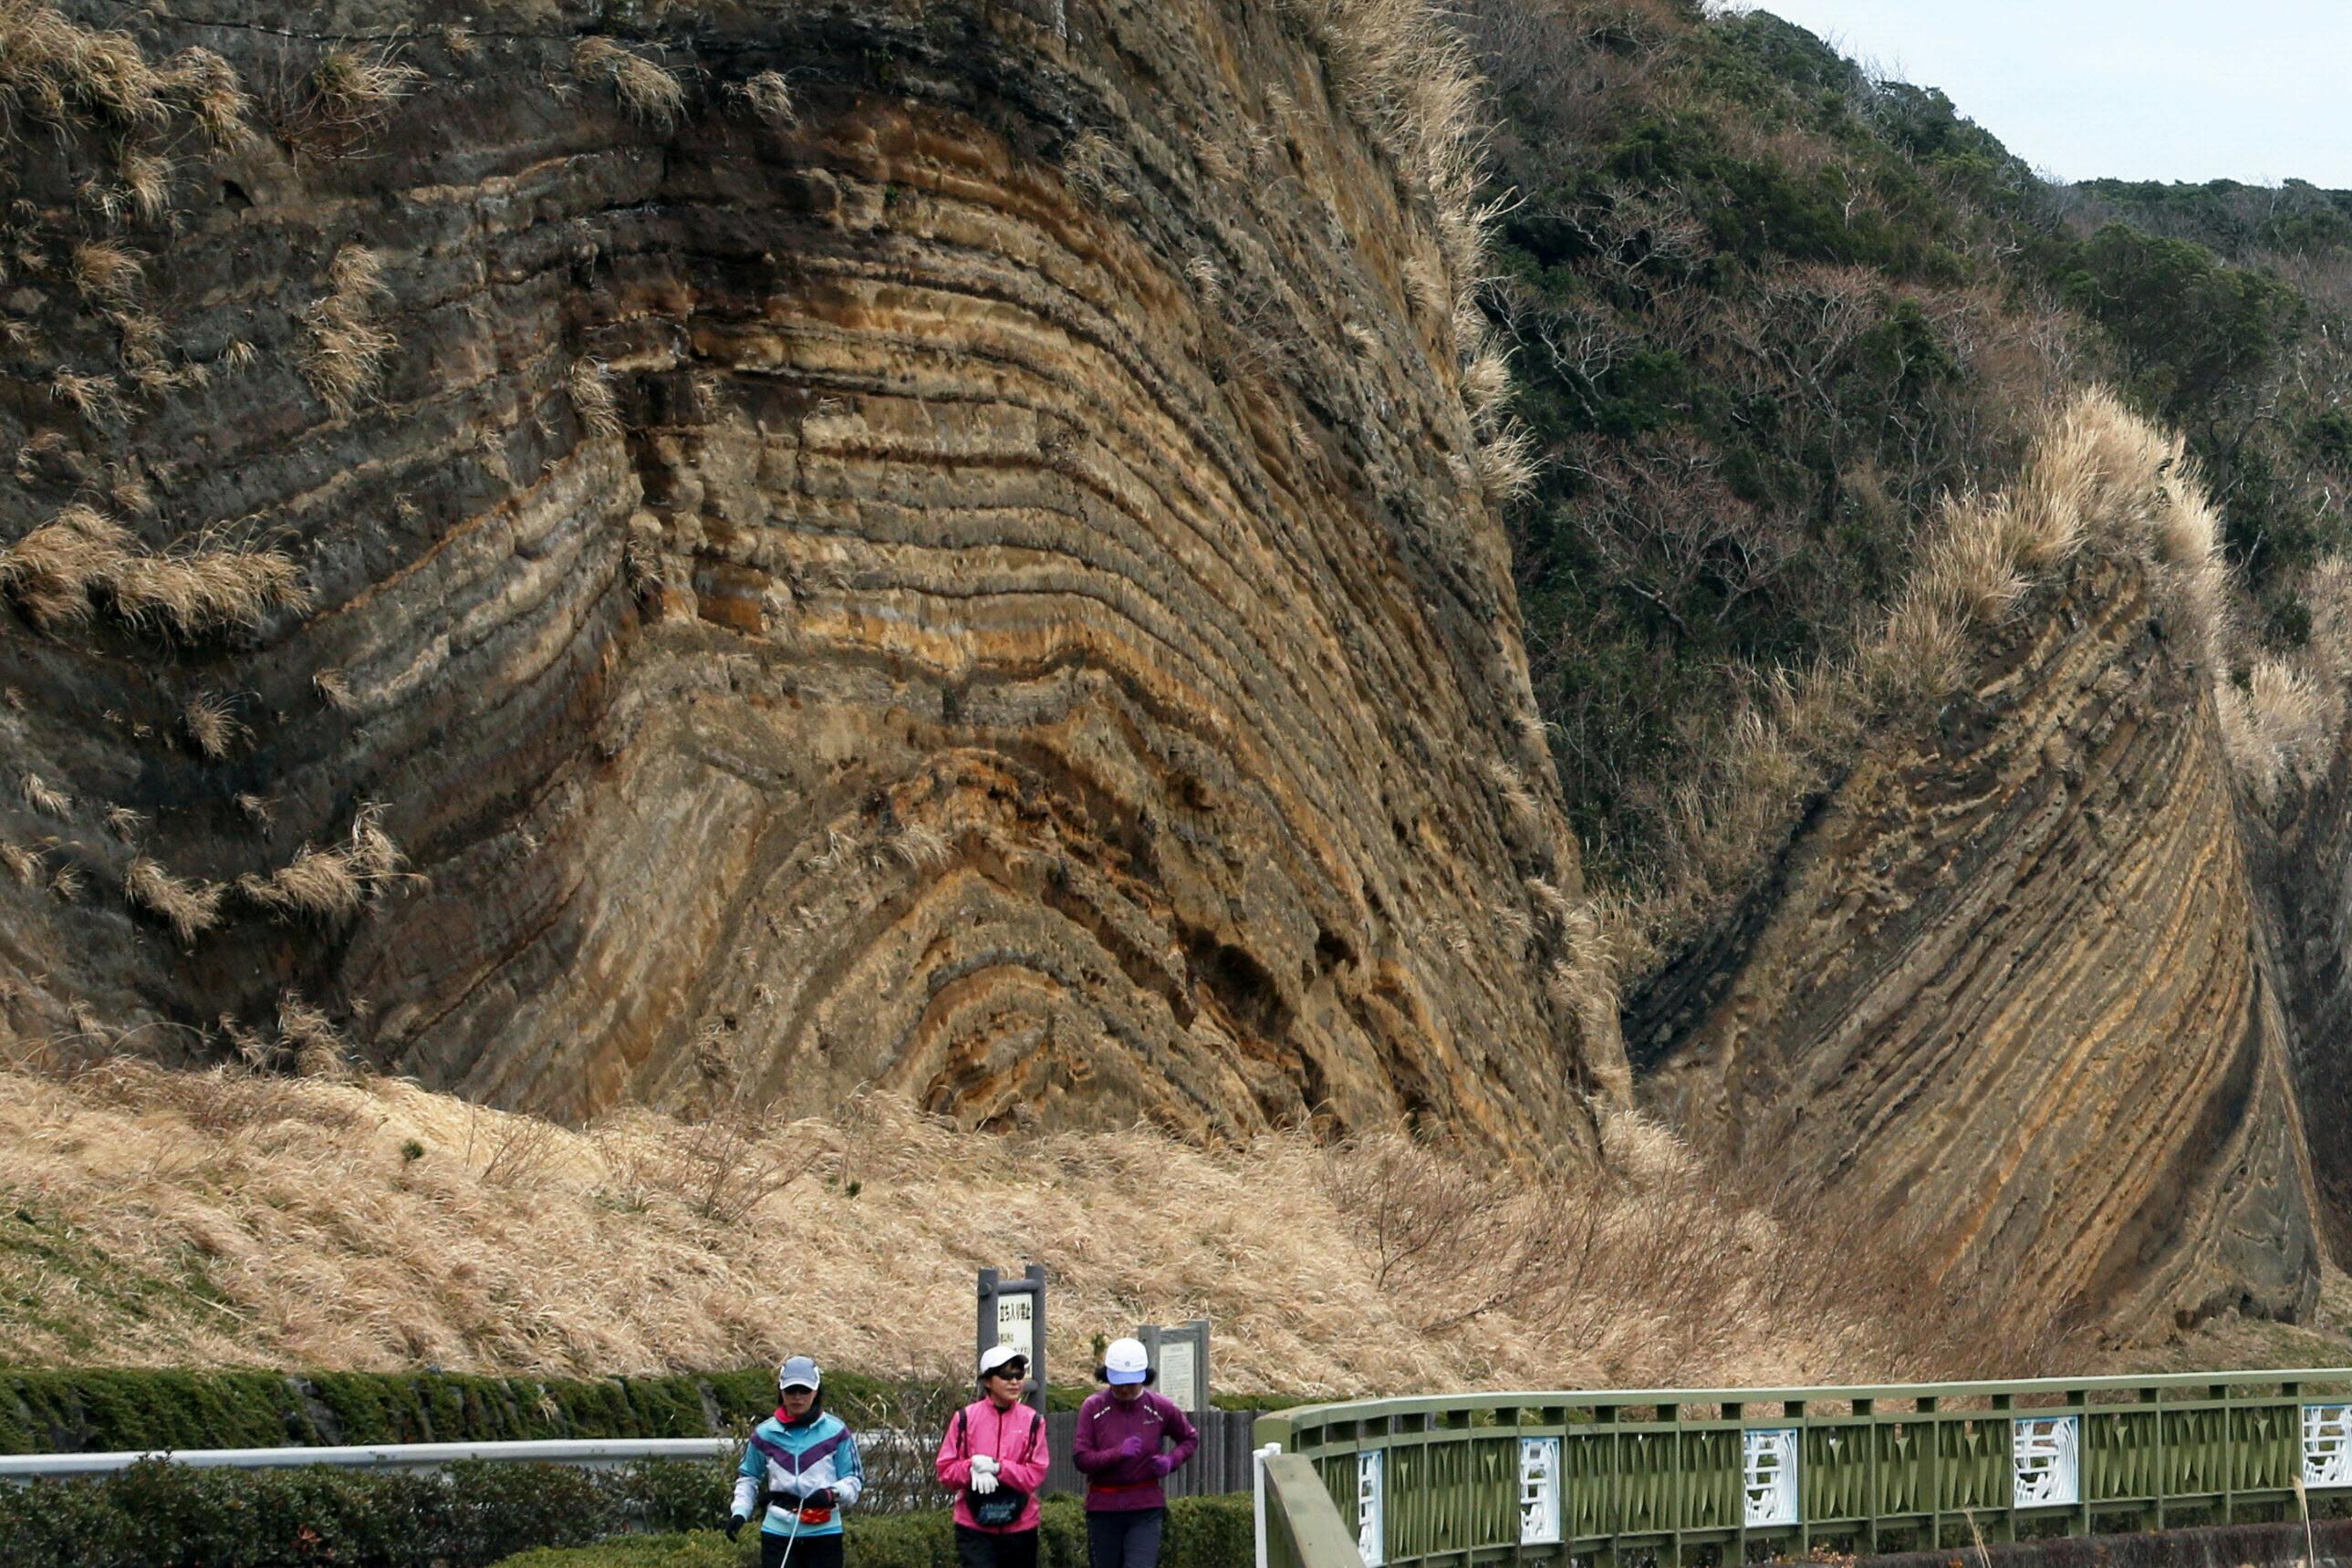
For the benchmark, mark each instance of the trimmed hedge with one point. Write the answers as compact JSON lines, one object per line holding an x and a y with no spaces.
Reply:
{"x":157,"y":1514}
{"x":102,"y":1411}
{"x":1202,"y":1532}
{"x":87,"y":1411}
{"x":706,"y":1549}
{"x":161,"y":1515}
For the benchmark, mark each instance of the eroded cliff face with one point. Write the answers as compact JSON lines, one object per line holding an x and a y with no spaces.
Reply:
{"x":2306,"y":864}
{"x":2010,"y":990}
{"x":967,"y":578}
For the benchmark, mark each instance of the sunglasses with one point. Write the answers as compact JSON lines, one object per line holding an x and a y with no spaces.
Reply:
{"x":1011,"y":1369}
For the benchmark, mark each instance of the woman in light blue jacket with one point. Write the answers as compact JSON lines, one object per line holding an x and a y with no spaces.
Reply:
{"x":809,"y":1462}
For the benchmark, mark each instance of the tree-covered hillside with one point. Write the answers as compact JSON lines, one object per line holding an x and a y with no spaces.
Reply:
{"x":1766,"y":311}
{"x":2227,"y":304}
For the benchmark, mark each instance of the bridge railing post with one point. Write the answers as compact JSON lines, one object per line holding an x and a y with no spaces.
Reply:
{"x":1259,"y":1458}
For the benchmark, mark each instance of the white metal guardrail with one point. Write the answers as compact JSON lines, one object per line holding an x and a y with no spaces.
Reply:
{"x":594,"y":1453}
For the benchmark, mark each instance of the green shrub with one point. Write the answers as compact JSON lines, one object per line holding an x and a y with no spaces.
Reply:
{"x":162,"y":1515}
{"x":1211,"y":1531}
{"x":103,"y":1410}
{"x":907,"y":1541}
{"x":707,"y":1550}
{"x":53,"y":1412}
{"x":1202,"y":1532}
{"x":81,"y":1411}
{"x":2192,"y":328}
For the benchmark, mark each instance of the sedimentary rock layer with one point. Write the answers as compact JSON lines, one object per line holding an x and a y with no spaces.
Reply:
{"x":2010,"y":993}
{"x":2303,"y":862}
{"x":964,"y":577}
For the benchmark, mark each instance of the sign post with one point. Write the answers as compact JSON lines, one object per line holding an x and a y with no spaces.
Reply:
{"x":1180,"y":1357}
{"x":1012,"y":1311}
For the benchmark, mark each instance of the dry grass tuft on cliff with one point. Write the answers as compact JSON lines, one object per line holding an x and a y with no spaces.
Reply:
{"x":190,"y":907}
{"x":58,"y":571}
{"x":43,"y":795}
{"x":769,"y":97}
{"x":347,"y":96}
{"x":646,"y":91}
{"x":344,"y":345}
{"x":207,"y":590}
{"x":20,"y":862}
{"x":212,"y":725}
{"x":329,"y":885}
{"x":590,"y":387}
{"x":106,"y":272}
{"x":265,"y":1220}
{"x":316,"y":883}
{"x":207,"y":86}
{"x":1402,"y":69}
{"x":52,"y":571}
{"x":55,"y":69}
{"x":2279,"y":724}
{"x":318,"y":1046}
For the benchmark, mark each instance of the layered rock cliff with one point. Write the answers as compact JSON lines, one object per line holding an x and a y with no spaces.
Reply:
{"x":2303,"y":862}
{"x":722,"y":556}
{"x":2012,"y":989}
{"x":2311,"y":873}
{"x":937,"y":546}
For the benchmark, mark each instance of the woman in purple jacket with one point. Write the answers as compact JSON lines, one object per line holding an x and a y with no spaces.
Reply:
{"x":1119,"y":1449}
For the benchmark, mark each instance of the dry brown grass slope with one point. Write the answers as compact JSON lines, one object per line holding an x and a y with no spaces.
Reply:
{"x":228,"y":1219}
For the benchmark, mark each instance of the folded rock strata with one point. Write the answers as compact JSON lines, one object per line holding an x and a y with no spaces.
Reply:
{"x":969,"y":581}
{"x":2305,"y":863}
{"x":2010,"y":990}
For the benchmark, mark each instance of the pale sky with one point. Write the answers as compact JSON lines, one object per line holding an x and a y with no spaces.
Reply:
{"x":2257,"y":91}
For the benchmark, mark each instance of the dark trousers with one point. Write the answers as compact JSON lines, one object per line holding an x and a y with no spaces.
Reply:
{"x":984,"y":1549}
{"x":1128,"y":1538}
{"x":808,"y":1551}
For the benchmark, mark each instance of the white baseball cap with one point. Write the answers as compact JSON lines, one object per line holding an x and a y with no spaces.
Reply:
{"x":1125,"y":1361}
{"x":996,"y":1356}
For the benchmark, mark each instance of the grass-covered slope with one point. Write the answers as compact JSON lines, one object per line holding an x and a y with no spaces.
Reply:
{"x":370,"y":1226}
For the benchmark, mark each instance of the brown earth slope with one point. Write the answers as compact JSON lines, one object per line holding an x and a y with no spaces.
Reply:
{"x":939,"y":547}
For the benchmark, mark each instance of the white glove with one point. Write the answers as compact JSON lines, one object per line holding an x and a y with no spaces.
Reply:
{"x":984,"y":1462}
{"x":983,"y":1482}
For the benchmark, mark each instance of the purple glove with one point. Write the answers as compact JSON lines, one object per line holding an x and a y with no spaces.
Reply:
{"x":1162,"y":1464}
{"x":1132,"y":1449}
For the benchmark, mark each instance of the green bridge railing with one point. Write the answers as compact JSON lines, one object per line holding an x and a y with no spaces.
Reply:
{"x":1732,"y":1475}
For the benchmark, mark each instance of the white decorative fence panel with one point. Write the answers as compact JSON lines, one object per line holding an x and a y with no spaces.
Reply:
{"x":2048,"y":1455}
{"x":2327,"y":1445}
{"x":1371,"y":1534}
{"x":1538,"y":1491}
{"x":1771,"y":1464}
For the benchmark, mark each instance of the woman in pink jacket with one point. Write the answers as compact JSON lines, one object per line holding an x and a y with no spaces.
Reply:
{"x":994,"y":1456}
